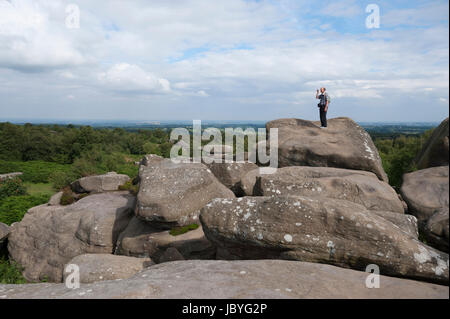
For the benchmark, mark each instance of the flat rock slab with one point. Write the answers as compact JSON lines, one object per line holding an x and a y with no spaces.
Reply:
{"x":356,"y":186}
{"x":174,"y":193}
{"x":10,"y":175}
{"x":322,"y":230}
{"x":276,"y":279}
{"x":99,"y":183}
{"x":50,"y":236}
{"x":101,"y":267}
{"x":343,"y":144}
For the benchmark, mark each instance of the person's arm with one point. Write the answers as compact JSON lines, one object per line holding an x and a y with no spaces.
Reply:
{"x":328,"y":101}
{"x":317,"y":94}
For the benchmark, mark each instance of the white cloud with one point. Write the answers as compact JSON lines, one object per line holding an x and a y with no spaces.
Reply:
{"x":129,"y":78}
{"x":31,"y":41}
{"x":235,"y":52}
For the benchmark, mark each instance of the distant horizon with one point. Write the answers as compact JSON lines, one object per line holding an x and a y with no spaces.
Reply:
{"x":175,"y":121}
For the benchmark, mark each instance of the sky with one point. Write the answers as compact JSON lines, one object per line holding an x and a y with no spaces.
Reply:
{"x":223,"y":60}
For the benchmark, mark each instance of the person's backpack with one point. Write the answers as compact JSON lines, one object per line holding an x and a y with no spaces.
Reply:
{"x":323,"y":100}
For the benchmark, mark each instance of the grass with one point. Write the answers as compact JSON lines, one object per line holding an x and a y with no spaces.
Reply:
{"x":36,"y":189}
{"x":183,"y":229}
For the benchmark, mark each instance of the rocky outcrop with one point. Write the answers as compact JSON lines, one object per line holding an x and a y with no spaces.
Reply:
{"x":142,"y":239}
{"x":99,"y":183}
{"x":173,"y":193}
{"x":344,"y":144}
{"x":100,"y":267}
{"x":250,"y":279}
{"x":321,"y":230}
{"x":436,"y":230}
{"x":356,"y":186}
{"x":230,"y":174}
{"x":4,"y":232}
{"x":426,"y":191}
{"x":50,"y":236}
{"x":10,"y":175}
{"x":435,"y":152}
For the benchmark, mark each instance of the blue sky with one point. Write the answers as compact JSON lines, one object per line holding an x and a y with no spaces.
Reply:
{"x":223,"y":60}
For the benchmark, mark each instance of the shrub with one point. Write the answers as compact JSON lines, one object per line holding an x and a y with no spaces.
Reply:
{"x":12,"y":209}
{"x":183,"y":229}
{"x":10,"y":272}
{"x":11,"y":187}
{"x":33,"y":171}
{"x":67,"y":197}
{"x":128,"y":186}
{"x":61,"y":179}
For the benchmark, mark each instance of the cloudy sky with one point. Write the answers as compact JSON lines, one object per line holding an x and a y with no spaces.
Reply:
{"x":223,"y":59}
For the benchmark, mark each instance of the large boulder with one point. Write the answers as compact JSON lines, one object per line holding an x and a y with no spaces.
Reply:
{"x":426,"y":191}
{"x":99,"y":183}
{"x":50,"y":236}
{"x":249,"y":279}
{"x":231,"y":174}
{"x":322,"y":230}
{"x":100,"y":267}
{"x":435,"y":152}
{"x":356,"y":186}
{"x":173,"y":193}
{"x":142,"y":239}
{"x":4,"y":232}
{"x":344,"y":144}
{"x":436,"y":230}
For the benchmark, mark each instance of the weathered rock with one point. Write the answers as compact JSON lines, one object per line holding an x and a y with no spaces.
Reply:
{"x":230,"y":174}
{"x":249,"y":279}
{"x":356,"y":186}
{"x":50,"y":236}
{"x":100,"y":267}
{"x":344,"y":144}
{"x":325,"y":230}
{"x":99,"y":183}
{"x":173,"y":193}
{"x":171,"y":254}
{"x":10,"y":175}
{"x":436,"y":230}
{"x":436,"y":150}
{"x":4,"y":232}
{"x":426,"y":191}
{"x":55,"y":200}
{"x":248,"y":181}
{"x":142,"y":239}
{"x":405,"y":222}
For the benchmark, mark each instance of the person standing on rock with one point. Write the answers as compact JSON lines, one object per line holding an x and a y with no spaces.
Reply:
{"x":324,"y":101}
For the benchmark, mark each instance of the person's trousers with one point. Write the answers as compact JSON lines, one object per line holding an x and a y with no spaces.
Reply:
{"x":323,"y":117}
